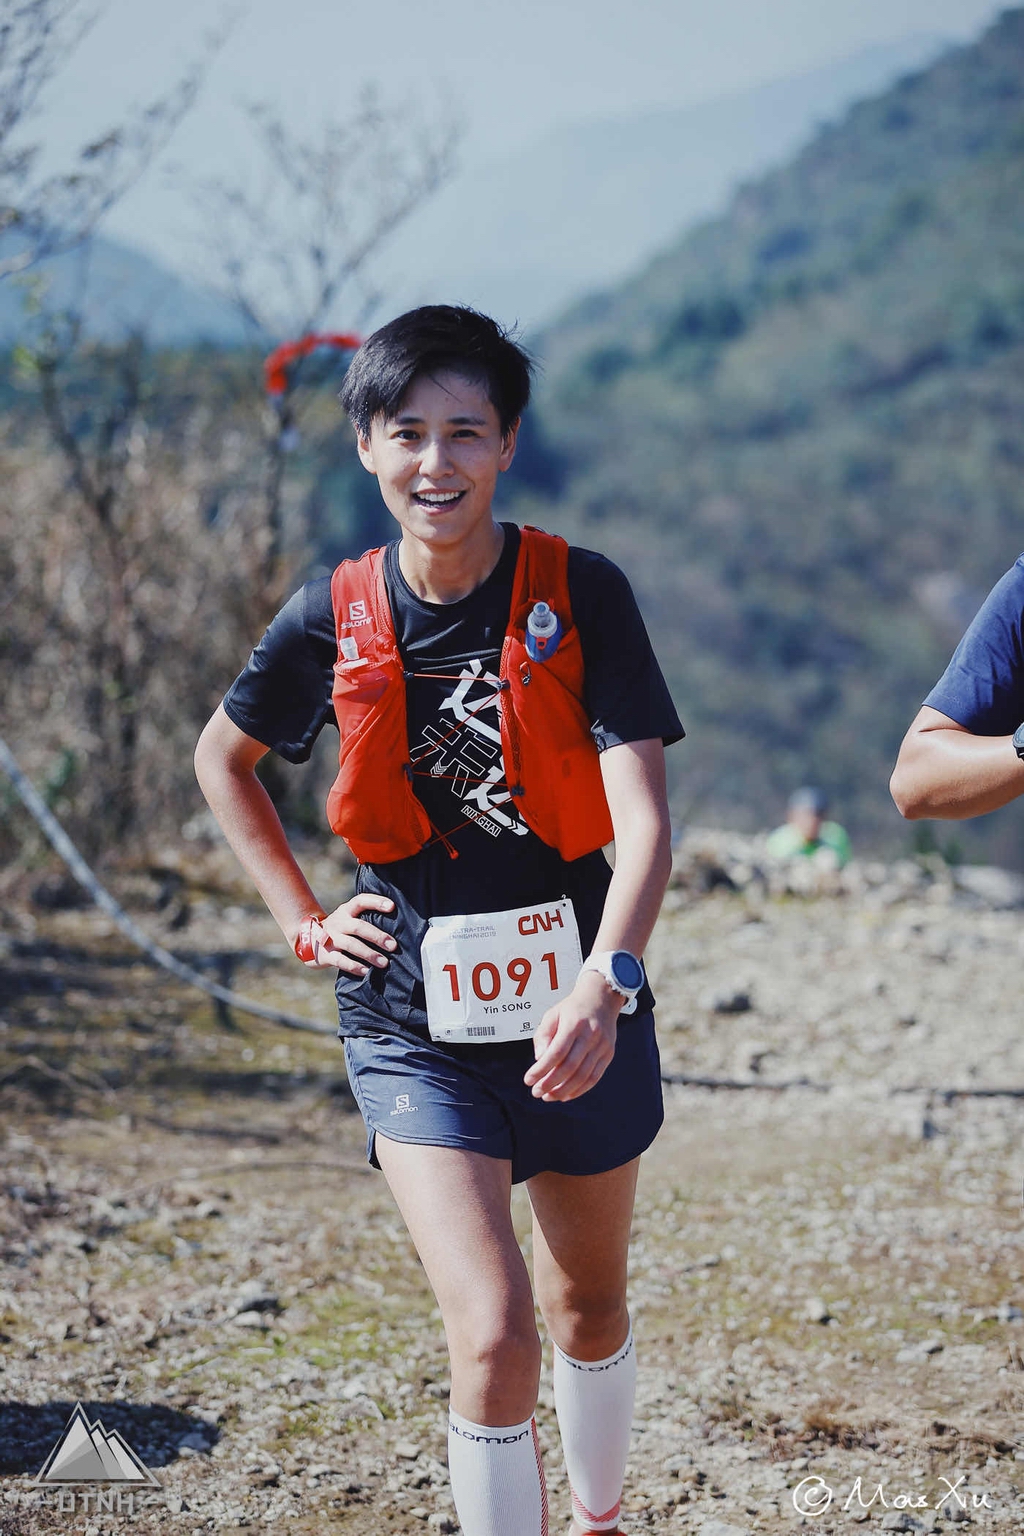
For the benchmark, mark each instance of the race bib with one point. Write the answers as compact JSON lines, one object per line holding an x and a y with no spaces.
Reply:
{"x":493,"y":975}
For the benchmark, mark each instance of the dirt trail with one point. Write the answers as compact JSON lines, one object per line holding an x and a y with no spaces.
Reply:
{"x":827,"y":1281}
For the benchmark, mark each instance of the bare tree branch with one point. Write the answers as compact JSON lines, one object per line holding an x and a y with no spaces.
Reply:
{"x":292,"y":250}
{"x":36,"y":37}
{"x":287,"y":250}
{"x":55,"y":213}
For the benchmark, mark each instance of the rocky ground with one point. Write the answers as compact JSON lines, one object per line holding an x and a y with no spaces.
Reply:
{"x":828,"y":1258}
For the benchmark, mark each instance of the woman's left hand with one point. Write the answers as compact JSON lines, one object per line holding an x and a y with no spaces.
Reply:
{"x":575,"y":1040}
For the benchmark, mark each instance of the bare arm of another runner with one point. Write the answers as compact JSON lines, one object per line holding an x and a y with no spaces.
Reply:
{"x":575,"y":1040}
{"x":946,"y":772}
{"x":225,"y":764}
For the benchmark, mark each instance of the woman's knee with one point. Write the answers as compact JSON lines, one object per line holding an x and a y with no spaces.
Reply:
{"x":586,"y":1323}
{"x":497,"y":1348}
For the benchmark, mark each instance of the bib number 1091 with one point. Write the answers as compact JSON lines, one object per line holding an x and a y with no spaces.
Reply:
{"x":490,"y":977}
{"x":486,"y":981}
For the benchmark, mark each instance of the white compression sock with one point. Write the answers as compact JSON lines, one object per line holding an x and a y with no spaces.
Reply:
{"x":497,"y":1478}
{"x":594,"y":1404}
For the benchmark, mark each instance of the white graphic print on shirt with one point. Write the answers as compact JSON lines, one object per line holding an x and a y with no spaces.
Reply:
{"x":464,"y":749}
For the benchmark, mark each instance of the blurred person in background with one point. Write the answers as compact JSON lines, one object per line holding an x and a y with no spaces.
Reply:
{"x":805,"y":834}
{"x":962,"y":755}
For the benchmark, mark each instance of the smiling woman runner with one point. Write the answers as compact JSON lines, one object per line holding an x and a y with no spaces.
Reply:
{"x":496,"y":1016}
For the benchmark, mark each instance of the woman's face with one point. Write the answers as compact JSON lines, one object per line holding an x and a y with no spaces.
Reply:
{"x":438,"y":459}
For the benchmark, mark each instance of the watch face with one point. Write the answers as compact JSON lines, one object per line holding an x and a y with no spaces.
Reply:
{"x":627,"y":970}
{"x":1018,"y":741}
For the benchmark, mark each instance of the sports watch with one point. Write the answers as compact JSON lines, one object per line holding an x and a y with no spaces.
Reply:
{"x":623,"y":972}
{"x":1018,"y":742}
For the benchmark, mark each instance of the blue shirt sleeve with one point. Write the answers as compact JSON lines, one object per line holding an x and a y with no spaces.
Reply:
{"x":982,"y":689}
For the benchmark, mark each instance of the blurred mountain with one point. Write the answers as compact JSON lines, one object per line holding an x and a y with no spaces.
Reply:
{"x":801,"y":431}
{"x":119,"y":289}
{"x":523,"y":236}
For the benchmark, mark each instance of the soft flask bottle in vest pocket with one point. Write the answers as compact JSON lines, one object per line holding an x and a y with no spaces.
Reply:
{"x":543,"y":632}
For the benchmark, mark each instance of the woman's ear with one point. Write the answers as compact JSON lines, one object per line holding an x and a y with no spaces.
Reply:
{"x":508,"y":445}
{"x":365,"y":452}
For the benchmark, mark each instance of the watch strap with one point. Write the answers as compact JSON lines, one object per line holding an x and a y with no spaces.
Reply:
{"x":601,"y":961}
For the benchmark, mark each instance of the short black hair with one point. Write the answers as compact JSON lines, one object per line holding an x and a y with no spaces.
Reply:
{"x":433,"y":339}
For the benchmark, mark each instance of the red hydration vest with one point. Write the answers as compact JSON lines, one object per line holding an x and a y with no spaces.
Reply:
{"x":550,"y":758}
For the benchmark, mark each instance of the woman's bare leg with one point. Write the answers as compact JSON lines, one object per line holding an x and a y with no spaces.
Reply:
{"x":580,"y":1244}
{"x":456,"y":1207}
{"x":580,"y":1248}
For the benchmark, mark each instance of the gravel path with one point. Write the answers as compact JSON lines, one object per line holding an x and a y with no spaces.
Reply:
{"x":827,"y":1280}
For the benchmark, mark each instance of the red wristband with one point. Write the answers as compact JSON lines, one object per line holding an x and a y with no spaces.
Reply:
{"x":310,"y":938}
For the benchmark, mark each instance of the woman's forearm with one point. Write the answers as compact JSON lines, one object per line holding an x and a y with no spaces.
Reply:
{"x":634,"y":897}
{"x":946,"y":772}
{"x":634,"y":782}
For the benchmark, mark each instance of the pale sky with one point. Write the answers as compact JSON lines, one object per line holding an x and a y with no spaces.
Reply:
{"x":512,"y":71}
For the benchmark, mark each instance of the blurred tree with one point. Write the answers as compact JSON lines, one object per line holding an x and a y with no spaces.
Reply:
{"x":42,"y":215}
{"x":165,"y":551}
{"x":124,"y":559}
{"x":290,"y":248}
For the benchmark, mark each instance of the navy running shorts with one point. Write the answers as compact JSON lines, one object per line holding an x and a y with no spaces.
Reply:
{"x":473,"y":1096}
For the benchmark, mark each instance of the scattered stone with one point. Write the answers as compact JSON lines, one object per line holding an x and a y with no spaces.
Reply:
{"x":1000,"y":890}
{"x":708,"y":1261}
{"x":969,"y":1358}
{"x":917,"y":1354}
{"x":729,"y":1001}
{"x":816,"y":1311}
{"x":254,"y":1296}
{"x":196,"y":1441}
{"x":408,"y":1450}
{"x":722,"y":1528}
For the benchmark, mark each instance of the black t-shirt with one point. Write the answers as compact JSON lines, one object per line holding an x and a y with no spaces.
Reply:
{"x":283,"y":699}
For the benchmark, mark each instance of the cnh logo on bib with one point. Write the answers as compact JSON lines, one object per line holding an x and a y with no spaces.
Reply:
{"x":491,"y":976}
